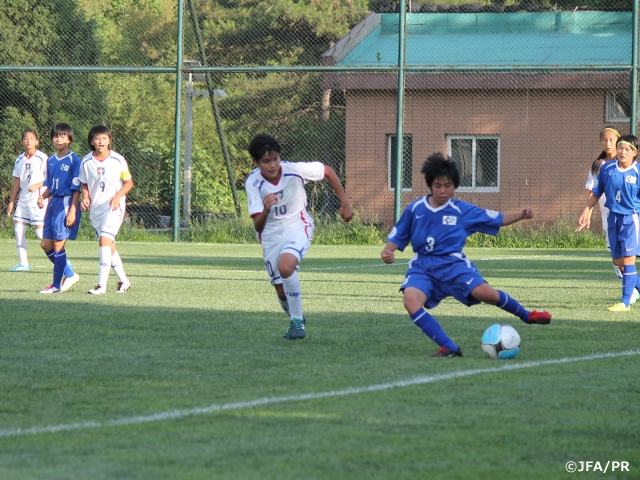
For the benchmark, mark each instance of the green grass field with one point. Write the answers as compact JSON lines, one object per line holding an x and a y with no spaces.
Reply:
{"x":187,"y":376}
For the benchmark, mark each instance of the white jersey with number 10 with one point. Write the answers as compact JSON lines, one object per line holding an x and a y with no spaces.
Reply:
{"x":290,"y":212}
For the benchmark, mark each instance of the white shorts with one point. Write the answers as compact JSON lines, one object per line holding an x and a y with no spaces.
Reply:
{"x":30,"y":214}
{"x":296,"y":243}
{"x":108,"y":225}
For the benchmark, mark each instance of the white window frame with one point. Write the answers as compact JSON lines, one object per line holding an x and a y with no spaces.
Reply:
{"x":390,"y":162}
{"x":609,"y":117}
{"x":474,"y":189}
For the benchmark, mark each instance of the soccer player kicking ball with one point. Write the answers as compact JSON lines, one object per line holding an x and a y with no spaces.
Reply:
{"x":278,"y":206}
{"x":437,"y":227}
{"x":105,"y":179}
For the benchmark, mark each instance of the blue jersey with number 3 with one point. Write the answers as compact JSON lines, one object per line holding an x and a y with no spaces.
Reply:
{"x":62,"y":174}
{"x":442,"y":231}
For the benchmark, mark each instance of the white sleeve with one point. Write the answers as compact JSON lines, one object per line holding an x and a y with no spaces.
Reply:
{"x":82,"y":175}
{"x":16,"y":168}
{"x":592,"y":181}
{"x":310,"y":171}
{"x":254,"y":199}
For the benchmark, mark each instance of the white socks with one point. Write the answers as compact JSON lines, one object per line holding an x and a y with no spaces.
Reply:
{"x":294,"y":295}
{"x":105,"y":266}
{"x":21,"y":243}
{"x":118,"y":269}
{"x":285,"y":306}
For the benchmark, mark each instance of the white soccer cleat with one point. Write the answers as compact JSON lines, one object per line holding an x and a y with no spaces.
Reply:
{"x":123,"y":286}
{"x":634,"y":296}
{"x":69,"y":282}
{"x":50,"y":289}
{"x":98,"y":290}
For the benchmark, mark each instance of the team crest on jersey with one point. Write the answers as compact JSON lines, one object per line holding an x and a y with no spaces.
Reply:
{"x":630,"y":179}
{"x":449,"y":220}
{"x":279,"y":195}
{"x":252,"y":201}
{"x":100,"y":171}
{"x":492,"y":213}
{"x":27,"y":166}
{"x":64,"y":168}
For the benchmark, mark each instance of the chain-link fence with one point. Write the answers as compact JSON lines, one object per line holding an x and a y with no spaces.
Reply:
{"x":517,"y":92}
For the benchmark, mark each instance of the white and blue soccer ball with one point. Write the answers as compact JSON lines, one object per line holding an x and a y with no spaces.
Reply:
{"x":501,"y":341}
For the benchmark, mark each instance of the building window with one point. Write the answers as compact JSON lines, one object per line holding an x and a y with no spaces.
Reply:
{"x":478,"y":158}
{"x":407,"y":161}
{"x":618,"y":106}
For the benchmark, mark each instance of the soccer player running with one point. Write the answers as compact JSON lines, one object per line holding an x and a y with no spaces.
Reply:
{"x":619,"y":181}
{"x":105,"y":178}
{"x":62,"y":220}
{"x":29,"y":173}
{"x":278,"y":207}
{"x":437,"y":227}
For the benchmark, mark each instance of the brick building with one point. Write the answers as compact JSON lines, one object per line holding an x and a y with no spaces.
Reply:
{"x":523,"y":137}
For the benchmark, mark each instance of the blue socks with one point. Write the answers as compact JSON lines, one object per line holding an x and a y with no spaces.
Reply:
{"x":509,"y":304}
{"x":59,"y":264}
{"x":629,"y":281}
{"x":432,"y":329}
{"x":68,"y":269}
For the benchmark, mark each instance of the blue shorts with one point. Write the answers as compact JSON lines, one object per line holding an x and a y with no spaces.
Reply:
{"x":56,"y":218}
{"x":624,"y":234}
{"x":441,"y":277}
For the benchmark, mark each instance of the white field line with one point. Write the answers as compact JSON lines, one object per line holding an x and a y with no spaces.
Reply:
{"x":178,"y":414}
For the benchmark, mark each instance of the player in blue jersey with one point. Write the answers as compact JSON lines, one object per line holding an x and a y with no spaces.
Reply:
{"x":278,"y":207}
{"x":28,"y":178}
{"x":62,"y":220}
{"x":619,"y":181}
{"x":437,"y":227}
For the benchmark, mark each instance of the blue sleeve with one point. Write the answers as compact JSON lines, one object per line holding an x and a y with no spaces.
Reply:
{"x":483,"y":220}
{"x":75,"y":180}
{"x":401,"y":232}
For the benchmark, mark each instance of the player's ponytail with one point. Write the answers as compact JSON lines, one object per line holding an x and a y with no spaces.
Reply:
{"x":598,"y":162}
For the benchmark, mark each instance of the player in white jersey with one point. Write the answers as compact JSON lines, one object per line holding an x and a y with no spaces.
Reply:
{"x":29,"y":172}
{"x":105,"y":179}
{"x":278,"y":207}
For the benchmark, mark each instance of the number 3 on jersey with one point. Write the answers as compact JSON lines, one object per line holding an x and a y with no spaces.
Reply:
{"x":429,"y":244}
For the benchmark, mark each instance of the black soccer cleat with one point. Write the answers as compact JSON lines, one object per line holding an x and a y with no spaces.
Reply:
{"x":447,"y":352}
{"x":287,"y":335}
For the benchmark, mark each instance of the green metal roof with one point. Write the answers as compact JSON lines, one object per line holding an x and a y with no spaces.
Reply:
{"x":491,"y":39}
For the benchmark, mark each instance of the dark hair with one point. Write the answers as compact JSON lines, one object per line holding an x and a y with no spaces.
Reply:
{"x":60,"y":128}
{"x":97,"y":130}
{"x":632,"y":139}
{"x":30,"y":130}
{"x":598,"y":162}
{"x":439,"y":165}
{"x":261,"y":144}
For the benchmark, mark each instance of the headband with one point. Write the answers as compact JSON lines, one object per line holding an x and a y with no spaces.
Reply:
{"x":612,"y":129}
{"x":624,"y":142}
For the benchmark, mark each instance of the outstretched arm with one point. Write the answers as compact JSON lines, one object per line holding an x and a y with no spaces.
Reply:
{"x":345,"y":207}
{"x":584,"y":221}
{"x":511,"y":218}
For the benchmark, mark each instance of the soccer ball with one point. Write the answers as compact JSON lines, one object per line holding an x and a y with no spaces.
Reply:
{"x":501,"y":341}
